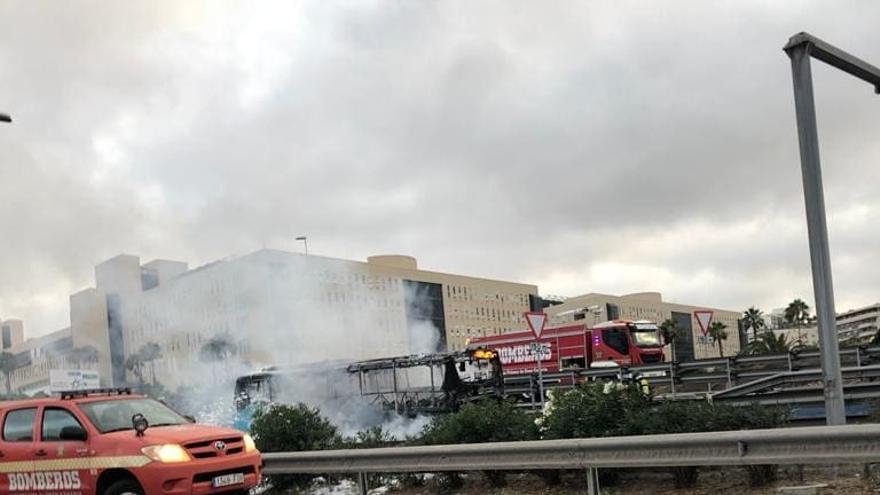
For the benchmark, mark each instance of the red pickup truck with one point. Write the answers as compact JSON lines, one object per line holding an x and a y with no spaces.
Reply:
{"x":113,"y":442}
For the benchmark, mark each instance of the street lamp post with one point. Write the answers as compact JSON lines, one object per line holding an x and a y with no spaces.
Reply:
{"x":305,"y":242}
{"x":800,"y":48}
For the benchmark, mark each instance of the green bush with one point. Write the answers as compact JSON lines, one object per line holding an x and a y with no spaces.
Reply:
{"x":479,"y":422}
{"x":372,"y":438}
{"x":291,"y":428}
{"x":612,"y":409}
{"x":697,"y":416}
{"x":591,"y":409}
{"x":755,"y":417}
{"x":672,"y":417}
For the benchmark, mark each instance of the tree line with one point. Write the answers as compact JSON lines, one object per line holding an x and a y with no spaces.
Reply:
{"x":763,"y":341}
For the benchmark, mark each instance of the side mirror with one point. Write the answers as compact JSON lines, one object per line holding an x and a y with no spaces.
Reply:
{"x":73,"y":433}
{"x":190,"y":418}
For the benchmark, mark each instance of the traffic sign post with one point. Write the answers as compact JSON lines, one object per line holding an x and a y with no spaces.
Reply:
{"x":704,"y":319}
{"x":536,"y":323}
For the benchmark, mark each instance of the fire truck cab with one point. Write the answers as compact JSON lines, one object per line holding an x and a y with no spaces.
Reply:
{"x":574,"y":346}
{"x":112,"y":442}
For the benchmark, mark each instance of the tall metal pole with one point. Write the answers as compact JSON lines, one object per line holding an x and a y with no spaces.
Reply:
{"x":817,"y":228}
{"x":800,"y":48}
{"x":539,"y":350}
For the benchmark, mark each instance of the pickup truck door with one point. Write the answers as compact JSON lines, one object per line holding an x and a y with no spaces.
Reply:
{"x":62,"y":452}
{"x":16,"y":449}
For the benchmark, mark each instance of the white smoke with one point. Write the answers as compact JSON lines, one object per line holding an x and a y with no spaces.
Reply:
{"x":424,"y":338}
{"x":402,"y":427}
{"x":287,"y":310}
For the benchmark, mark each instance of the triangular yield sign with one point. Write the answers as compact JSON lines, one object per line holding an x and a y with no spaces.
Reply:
{"x":704,"y":318}
{"x":536,"y":322}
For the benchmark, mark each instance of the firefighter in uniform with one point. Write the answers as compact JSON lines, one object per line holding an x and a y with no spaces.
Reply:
{"x":640,"y":381}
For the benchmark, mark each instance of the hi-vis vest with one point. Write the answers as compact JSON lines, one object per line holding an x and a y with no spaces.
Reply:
{"x":644,"y":386}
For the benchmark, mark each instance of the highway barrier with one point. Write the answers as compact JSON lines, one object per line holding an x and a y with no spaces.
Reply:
{"x":802,"y":445}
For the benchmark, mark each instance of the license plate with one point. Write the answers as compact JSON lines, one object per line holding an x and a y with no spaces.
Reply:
{"x":228,"y":480}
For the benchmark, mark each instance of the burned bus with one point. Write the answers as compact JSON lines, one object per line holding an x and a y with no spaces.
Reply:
{"x":429,"y":383}
{"x":405,"y":385}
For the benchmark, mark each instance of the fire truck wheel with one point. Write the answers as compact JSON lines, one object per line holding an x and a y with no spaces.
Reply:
{"x":124,"y":487}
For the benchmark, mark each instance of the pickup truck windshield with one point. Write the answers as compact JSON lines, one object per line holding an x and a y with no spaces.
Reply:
{"x":115,"y":415}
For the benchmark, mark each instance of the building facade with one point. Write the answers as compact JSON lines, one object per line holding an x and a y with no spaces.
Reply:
{"x":274,"y":307}
{"x":859,"y":326}
{"x":271,"y":307}
{"x":691,"y":343}
{"x":36,"y":357}
{"x":11,"y":334}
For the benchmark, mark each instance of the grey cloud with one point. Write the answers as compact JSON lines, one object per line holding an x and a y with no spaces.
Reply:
{"x":511,"y":140}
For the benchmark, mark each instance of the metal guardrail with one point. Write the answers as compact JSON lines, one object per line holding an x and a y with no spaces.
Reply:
{"x":705,"y":375}
{"x":802,"y":445}
{"x":795,"y":377}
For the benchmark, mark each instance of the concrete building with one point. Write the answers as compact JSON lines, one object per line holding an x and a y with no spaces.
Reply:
{"x":859,"y":325}
{"x":37,"y":356}
{"x":775,"y":319}
{"x":806,"y":335}
{"x":270,"y":307}
{"x":855,"y":326}
{"x":274,"y":306}
{"x":11,"y":334}
{"x":692,"y":344}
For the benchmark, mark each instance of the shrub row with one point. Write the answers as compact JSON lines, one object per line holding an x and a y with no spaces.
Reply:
{"x":588,"y":410}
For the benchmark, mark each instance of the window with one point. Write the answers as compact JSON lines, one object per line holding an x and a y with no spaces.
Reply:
{"x":19,"y":425}
{"x":616,"y":339}
{"x":54,"y":420}
{"x":574,"y":363}
{"x":112,"y":415}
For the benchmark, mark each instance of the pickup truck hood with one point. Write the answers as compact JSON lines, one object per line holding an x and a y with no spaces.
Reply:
{"x":181,"y":434}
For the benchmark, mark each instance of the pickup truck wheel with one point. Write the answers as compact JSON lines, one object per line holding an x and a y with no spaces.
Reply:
{"x":124,"y":487}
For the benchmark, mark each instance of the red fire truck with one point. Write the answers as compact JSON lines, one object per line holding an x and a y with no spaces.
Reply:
{"x":573,"y":346}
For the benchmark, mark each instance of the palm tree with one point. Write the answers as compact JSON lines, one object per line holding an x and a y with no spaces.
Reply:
{"x":797,"y":313}
{"x":149,"y":353}
{"x":669,"y":331}
{"x":135,"y":363}
{"x":769,"y":343}
{"x":219,"y":348}
{"x":753,"y":318}
{"x":717,"y":331}
{"x":8,"y":365}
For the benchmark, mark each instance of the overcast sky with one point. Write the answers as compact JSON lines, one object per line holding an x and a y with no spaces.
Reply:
{"x":581,"y":146}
